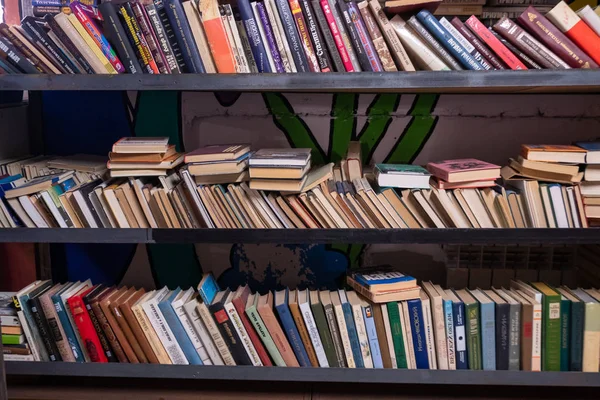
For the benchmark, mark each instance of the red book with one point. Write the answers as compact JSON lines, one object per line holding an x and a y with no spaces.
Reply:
{"x":84,"y":324}
{"x":565,"y":19}
{"x":493,"y":43}
{"x":239,"y":302}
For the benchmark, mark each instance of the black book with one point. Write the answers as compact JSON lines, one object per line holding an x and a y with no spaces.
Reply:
{"x":15,"y":57}
{"x":69,"y":45}
{"x":336,"y":60}
{"x":217,"y":309}
{"x":185,"y":38}
{"x":359,"y":49}
{"x":316,"y":37}
{"x":116,"y":35}
{"x":110,"y":355}
{"x":41,"y":38}
{"x":163,"y":38}
{"x":42,"y":323}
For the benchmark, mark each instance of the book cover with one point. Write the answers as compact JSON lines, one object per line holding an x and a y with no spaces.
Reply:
{"x":551,"y":327}
{"x":181,"y":28}
{"x":319,"y":44}
{"x":262,"y":331}
{"x":114,"y":32}
{"x":287,"y":322}
{"x":323,"y":329}
{"x":294,"y":40}
{"x":397,"y":332}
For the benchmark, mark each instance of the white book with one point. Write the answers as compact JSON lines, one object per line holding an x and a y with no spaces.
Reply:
{"x":361,"y":330}
{"x":182,"y":298}
{"x":388,"y":335}
{"x":339,"y":316}
{"x":429,"y":335}
{"x":409,"y":349}
{"x":241,"y":330}
{"x":194,"y":317}
{"x":438,"y":317}
{"x":162,"y":329}
{"x":588,"y":15}
{"x":311,"y":327}
{"x":217,"y":338}
{"x":558,"y":206}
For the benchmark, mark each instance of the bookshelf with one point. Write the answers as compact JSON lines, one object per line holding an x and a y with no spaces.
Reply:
{"x":499,"y":81}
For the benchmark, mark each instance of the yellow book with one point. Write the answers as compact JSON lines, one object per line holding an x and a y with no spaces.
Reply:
{"x":88,"y":40}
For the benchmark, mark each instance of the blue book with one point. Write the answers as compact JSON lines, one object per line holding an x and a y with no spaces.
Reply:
{"x":177,"y":328}
{"x":66,"y":323}
{"x":487,"y":316}
{"x":183,"y":33}
{"x":291,"y":331}
{"x":352,"y":334}
{"x":291,"y":33}
{"x":448,"y":41}
{"x":257,"y":46}
{"x":208,"y":288}
{"x":372,"y":335}
{"x":460,"y":337}
{"x":417,"y":325}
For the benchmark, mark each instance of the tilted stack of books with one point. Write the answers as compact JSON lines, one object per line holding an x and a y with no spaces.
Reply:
{"x":530,"y":327}
{"x":287,"y":36}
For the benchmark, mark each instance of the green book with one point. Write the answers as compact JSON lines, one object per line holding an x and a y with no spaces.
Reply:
{"x":12,"y":339}
{"x":324,"y":333}
{"x":472,"y":328}
{"x":262,"y":331}
{"x":397,"y":336}
{"x":551,"y":327}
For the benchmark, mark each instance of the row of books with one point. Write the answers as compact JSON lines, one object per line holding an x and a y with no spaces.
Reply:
{"x":282,"y":36}
{"x":531,"y":327}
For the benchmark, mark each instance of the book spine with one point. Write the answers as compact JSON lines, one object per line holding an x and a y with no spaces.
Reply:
{"x":68,"y":43}
{"x":502,"y":336}
{"x":397,"y":334}
{"x":268,"y":29}
{"x":434,"y":44}
{"x":97,"y":36}
{"x":32,"y":58}
{"x":458,"y":313}
{"x":313,"y":332}
{"x":468,"y":46}
{"x":479,"y":46}
{"x":317,"y":39}
{"x":353,"y":335}
{"x":576,"y":335}
{"x":524,"y":58}
{"x":527,"y":44}
{"x":387,"y":62}
{"x":448,"y":41}
{"x":179,"y":333}
{"x":304,"y":37}
{"x":183,"y":34}
{"x":114,"y":32}
{"x":16,"y":58}
{"x":551,"y":333}
{"x":229,"y":334}
{"x":565,"y":324}
{"x":335,"y":335}
{"x":162,"y":38}
{"x":243,"y":334}
{"x":450,"y":338}
{"x":356,"y":44}
{"x":43,"y":329}
{"x":328,"y":36}
{"x":137,"y":40}
{"x":372,"y":335}
{"x":294,"y":338}
{"x":363,"y":36}
{"x":170,"y":34}
{"x":265,"y":336}
{"x":488,"y":337}
{"x":403,"y":61}
{"x":104,"y":341}
{"x":30,"y":26}
{"x":199,"y":328}
{"x":86,"y":329}
{"x":108,"y":332}
{"x":164,"y":333}
{"x":150,"y":38}
{"x":337,"y":36}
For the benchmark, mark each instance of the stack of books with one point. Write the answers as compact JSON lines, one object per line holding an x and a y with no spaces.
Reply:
{"x":14,"y":343}
{"x":284,"y":170}
{"x":287,"y":36}
{"x":142,"y":156}
{"x":463,"y":173}
{"x":219,"y":164}
{"x":526,"y":326}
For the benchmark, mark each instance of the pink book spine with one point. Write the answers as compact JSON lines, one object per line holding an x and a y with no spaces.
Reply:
{"x":337,"y":37}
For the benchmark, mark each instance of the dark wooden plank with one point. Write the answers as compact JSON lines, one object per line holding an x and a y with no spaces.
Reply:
{"x":505,"y":81}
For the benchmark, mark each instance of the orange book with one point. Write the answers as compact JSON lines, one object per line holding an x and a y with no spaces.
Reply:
{"x":217,"y":37}
{"x":565,"y":19}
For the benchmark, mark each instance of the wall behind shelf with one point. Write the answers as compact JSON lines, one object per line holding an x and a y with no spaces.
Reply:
{"x":394,"y":128}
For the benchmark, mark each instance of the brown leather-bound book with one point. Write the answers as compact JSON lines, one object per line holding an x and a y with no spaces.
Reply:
{"x":297,"y":315}
{"x":265,"y":309}
{"x":540,"y":27}
{"x":125,"y":309}
{"x":114,"y":306}
{"x":105,"y":305}
{"x":105,"y":325}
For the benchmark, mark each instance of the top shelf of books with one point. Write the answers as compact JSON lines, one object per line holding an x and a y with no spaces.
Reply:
{"x":501,"y":81}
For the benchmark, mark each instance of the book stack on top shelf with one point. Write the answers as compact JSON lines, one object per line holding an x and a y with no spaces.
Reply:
{"x":279,"y":36}
{"x":526,"y":326}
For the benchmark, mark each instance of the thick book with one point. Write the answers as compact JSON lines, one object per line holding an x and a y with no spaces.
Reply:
{"x":556,"y":41}
{"x":117,"y":37}
{"x":323,"y":329}
{"x":487,"y":321}
{"x":329,"y":37}
{"x":385,"y":56}
{"x":216,"y":36}
{"x":319,"y":44}
{"x":397,"y":332}
{"x":417,"y":324}
{"x":183,"y":33}
{"x":287,"y":322}
{"x":551,"y":327}
{"x":448,"y":41}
